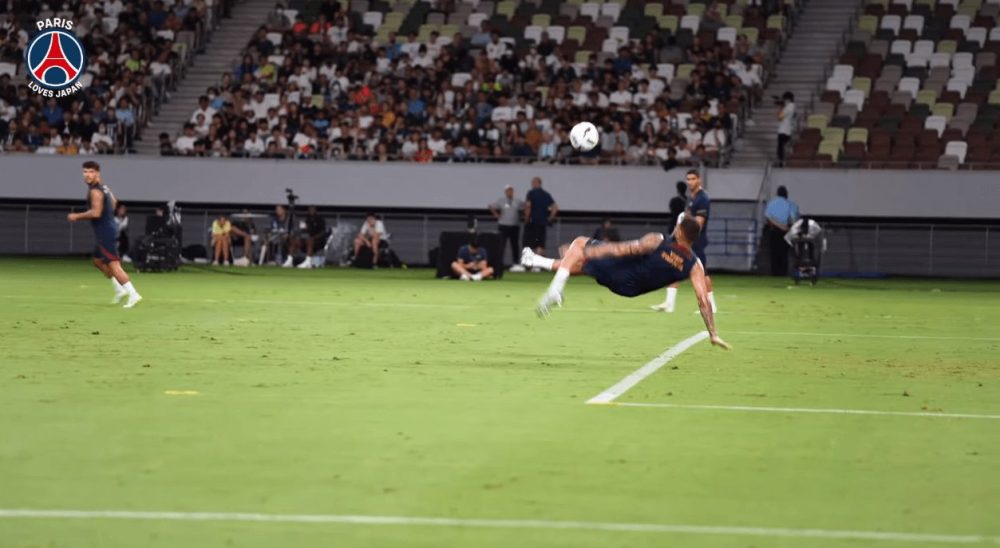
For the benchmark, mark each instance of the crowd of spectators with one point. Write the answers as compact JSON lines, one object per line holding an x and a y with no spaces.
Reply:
{"x":329,"y":88}
{"x":135,"y":50}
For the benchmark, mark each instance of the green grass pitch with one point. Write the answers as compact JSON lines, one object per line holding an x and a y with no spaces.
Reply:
{"x":390,"y":393}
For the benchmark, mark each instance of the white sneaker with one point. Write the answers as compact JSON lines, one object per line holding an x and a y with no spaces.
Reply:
{"x":536,"y":269}
{"x":527,"y":257}
{"x":215,"y":263}
{"x":662,"y":307}
{"x":465,"y":278}
{"x":477,"y":277}
{"x":133,"y":300}
{"x":517,"y":268}
{"x":548,"y":301}
{"x":289,"y":262}
{"x":126,"y":259}
{"x":119,"y":295}
{"x":306,"y":263}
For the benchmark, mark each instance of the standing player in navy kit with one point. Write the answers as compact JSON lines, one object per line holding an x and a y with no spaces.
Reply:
{"x":698,"y":208}
{"x":102,"y":218}
{"x":631,"y":268}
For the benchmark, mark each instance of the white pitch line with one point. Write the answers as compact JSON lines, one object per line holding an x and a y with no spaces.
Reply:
{"x":774,"y":532}
{"x":865,"y":335}
{"x":655,"y":364}
{"x":752,"y":408}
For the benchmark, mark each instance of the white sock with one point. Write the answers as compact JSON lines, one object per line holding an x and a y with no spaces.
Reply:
{"x":559,"y":281}
{"x":130,"y":288}
{"x":118,"y":287}
{"x":711,"y":299}
{"x":542,"y":262}
{"x":671,"y":297}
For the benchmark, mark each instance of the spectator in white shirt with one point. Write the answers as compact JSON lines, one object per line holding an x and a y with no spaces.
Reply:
{"x":257,"y":105}
{"x":644,"y":97}
{"x":525,"y":107}
{"x":201,"y":125}
{"x":411,"y":145}
{"x":412,"y":46}
{"x":502,"y":113}
{"x":185,"y":143}
{"x":254,"y":145}
{"x":621,"y":97}
{"x":691,"y":135}
{"x":496,"y":48}
{"x":203,"y":108}
{"x":715,"y":138}
{"x":437,"y":143}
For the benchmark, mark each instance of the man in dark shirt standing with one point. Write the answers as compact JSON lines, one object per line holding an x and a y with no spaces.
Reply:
{"x":539,"y":210}
{"x":698,"y":208}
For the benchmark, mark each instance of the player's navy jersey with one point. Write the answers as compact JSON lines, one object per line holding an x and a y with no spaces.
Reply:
{"x":105,"y":225}
{"x":700,"y":205}
{"x":634,"y":276}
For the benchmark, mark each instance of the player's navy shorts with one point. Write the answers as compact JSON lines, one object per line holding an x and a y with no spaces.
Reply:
{"x":106,"y":248}
{"x":614,"y":273}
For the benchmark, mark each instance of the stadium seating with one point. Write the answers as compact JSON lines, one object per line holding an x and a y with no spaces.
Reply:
{"x":134,"y":61}
{"x":403,"y":75}
{"x":921,"y":79}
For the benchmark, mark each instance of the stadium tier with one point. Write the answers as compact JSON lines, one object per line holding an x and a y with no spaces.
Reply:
{"x":136,"y":53}
{"x":916,"y":87}
{"x":668,"y":83}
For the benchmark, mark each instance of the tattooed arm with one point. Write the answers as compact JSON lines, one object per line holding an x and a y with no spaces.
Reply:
{"x":631,"y":248}
{"x":700,"y":286}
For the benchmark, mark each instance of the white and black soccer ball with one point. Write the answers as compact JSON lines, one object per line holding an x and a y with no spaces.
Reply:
{"x":584,"y":136}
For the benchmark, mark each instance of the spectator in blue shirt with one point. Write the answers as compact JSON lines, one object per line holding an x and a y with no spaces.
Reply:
{"x":472,"y":263}
{"x":779,"y":216}
{"x":53,"y":112}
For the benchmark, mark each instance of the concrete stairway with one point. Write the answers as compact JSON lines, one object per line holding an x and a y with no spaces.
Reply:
{"x":802,"y":69}
{"x":220,"y":55}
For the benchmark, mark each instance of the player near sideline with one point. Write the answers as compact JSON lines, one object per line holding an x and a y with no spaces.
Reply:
{"x":102,"y":218}
{"x":698,"y":208}
{"x":631,"y":268}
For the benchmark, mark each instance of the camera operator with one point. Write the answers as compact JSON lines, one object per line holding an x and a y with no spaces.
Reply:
{"x":786,"y":123}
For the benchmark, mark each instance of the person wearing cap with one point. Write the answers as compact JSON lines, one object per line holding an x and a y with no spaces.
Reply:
{"x":508,"y":211}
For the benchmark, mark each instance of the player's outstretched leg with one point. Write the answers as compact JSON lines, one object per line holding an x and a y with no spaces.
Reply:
{"x":571,"y":263}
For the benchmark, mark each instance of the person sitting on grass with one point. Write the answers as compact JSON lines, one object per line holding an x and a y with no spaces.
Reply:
{"x":221,"y":243}
{"x":471,"y":264}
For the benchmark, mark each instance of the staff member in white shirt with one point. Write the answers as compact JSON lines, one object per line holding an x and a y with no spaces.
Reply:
{"x":786,"y":124}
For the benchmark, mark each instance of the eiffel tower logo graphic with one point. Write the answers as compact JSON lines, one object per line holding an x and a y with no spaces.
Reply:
{"x":55,"y":58}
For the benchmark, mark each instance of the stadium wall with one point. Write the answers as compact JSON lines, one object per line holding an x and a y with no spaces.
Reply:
{"x":597,"y":189}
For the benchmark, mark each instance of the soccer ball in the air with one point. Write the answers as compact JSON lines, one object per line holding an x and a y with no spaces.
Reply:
{"x":584,"y":136}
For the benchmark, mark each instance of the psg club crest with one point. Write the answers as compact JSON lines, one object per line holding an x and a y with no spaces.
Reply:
{"x":55,"y":59}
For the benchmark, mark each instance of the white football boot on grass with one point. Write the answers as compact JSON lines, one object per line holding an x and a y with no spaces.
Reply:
{"x":550,"y":300}
{"x":133,"y":299}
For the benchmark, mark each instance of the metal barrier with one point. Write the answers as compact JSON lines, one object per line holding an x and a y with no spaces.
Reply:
{"x":42,"y":229}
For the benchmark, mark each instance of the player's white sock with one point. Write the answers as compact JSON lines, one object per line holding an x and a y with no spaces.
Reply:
{"x":671,"y":298}
{"x":130,"y":289}
{"x":711,"y":299}
{"x":119,"y":291}
{"x":559,"y":281}
{"x":531,"y":260}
